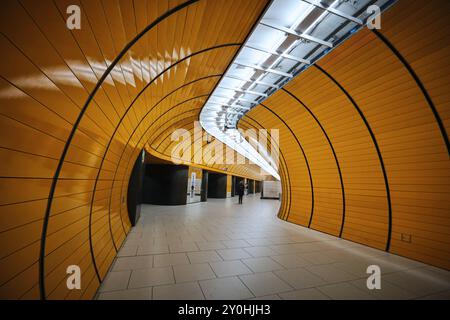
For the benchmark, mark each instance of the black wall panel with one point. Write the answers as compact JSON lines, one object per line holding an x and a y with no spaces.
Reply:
{"x":165,"y":184}
{"x":217,"y":185}
{"x":135,"y":184}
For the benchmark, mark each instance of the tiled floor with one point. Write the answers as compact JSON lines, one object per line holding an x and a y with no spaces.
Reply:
{"x":222,"y":250}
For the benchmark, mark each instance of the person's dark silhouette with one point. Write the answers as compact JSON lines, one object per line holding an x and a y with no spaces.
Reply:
{"x":241,"y":189}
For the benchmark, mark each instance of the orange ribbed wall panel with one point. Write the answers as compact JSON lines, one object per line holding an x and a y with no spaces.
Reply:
{"x":81,"y":105}
{"x":381,"y":98}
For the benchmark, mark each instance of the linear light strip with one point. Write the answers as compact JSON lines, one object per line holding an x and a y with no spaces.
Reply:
{"x":220,"y":118}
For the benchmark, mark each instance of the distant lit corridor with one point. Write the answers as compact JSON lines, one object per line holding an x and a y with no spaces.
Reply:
{"x":221,"y":250}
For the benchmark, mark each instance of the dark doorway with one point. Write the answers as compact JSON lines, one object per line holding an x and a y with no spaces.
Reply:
{"x":217,"y":185}
{"x":233,"y":186}
{"x":165,"y":184}
{"x":134,"y":199}
{"x":204,"y":188}
{"x":251,"y":186}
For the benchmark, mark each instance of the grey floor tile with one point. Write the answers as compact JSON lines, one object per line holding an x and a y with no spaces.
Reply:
{"x":225,"y":289}
{"x":259,"y":241}
{"x":388,"y":291}
{"x":345,"y":291}
{"x":269,"y":297}
{"x":132,"y":294}
{"x":317,"y":257}
{"x":170,"y":259}
{"x":183,"y":247}
{"x":330,"y":273}
{"x":127,"y":251}
{"x":284,"y":248}
{"x":267,"y":283}
{"x":304,"y":294}
{"x":179,"y":291}
{"x":300,"y":278}
{"x":233,"y":254}
{"x":262,"y":264}
{"x":437,"y":296}
{"x":130,"y":263}
{"x":152,"y":249}
{"x":419,"y":281}
{"x":117,"y":280}
{"x":151,"y":277}
{"x":290,"y":260}
{"x":203,"y":256}
{"x":193,"y":272}
{"x":251,"y":234}
{"x":211,"y":245}
{"x":236,"y":244}
{"x":229,"y":268}
{"x":260,"y":251}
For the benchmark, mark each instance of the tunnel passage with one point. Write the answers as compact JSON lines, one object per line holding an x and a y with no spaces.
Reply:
{"x":82,"y":107}
{"x":364,"y":137}
{"x":364,"y":151}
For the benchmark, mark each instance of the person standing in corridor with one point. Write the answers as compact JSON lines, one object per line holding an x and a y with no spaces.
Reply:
{"x":241,"y":189}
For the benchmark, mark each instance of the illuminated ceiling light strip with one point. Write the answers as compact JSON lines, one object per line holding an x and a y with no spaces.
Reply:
{"x":253,"y":81}
{"x":245,"y":91}
{"x":232,"y":98}
{"x":230,"y":106}
{"x":280,"y":73}
{"x":335,"y":12}
{"x":220,"y":119}
{"x":275,"y":53}
{"x":299,"y":35}
{"x":227,"y":112}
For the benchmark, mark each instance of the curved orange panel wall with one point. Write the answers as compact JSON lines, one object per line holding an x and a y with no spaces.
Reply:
{"x":364,"y":134}
{"x":77,"y":107}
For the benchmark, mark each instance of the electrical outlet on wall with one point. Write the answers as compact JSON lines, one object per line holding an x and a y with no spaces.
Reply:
{"x":405,"y":237}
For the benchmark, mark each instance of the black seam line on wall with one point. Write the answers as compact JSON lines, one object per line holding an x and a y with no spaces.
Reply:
{"x":194,"y":155}
{"x":123,"y":150}
{"x":192,"y":163}
{"x":288,"y":183}
{"x":115,"y":173}
{"x":306,"y":161}
{"x":132,"y":103}
{"x":116,"y":129}
{"x":63,"y":18}
{"x":374,"y":140}
{"x":201,"y":149}
{"x":45,"y":133}
{"x":190,"y":118}
{"x":52,"y":81}
{"x":74,"y":129}
{"x":165,"y":149}
{"x":334,"y":155}
{"x":121,"y":181}
{"x":146,"y":131}
{"x":59,"y":246}
{"x":421,"y":86}
{"x":189,"y":83}
{"x":266,"y":7}
{"x":109,"y":144}
{"x":79,"y":260}
{"x":42,"y":199}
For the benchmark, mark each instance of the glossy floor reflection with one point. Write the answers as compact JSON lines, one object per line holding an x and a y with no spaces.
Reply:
{"x":222,"y":250}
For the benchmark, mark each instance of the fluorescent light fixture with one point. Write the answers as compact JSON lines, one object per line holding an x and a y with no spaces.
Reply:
{"x":290,"y":37}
